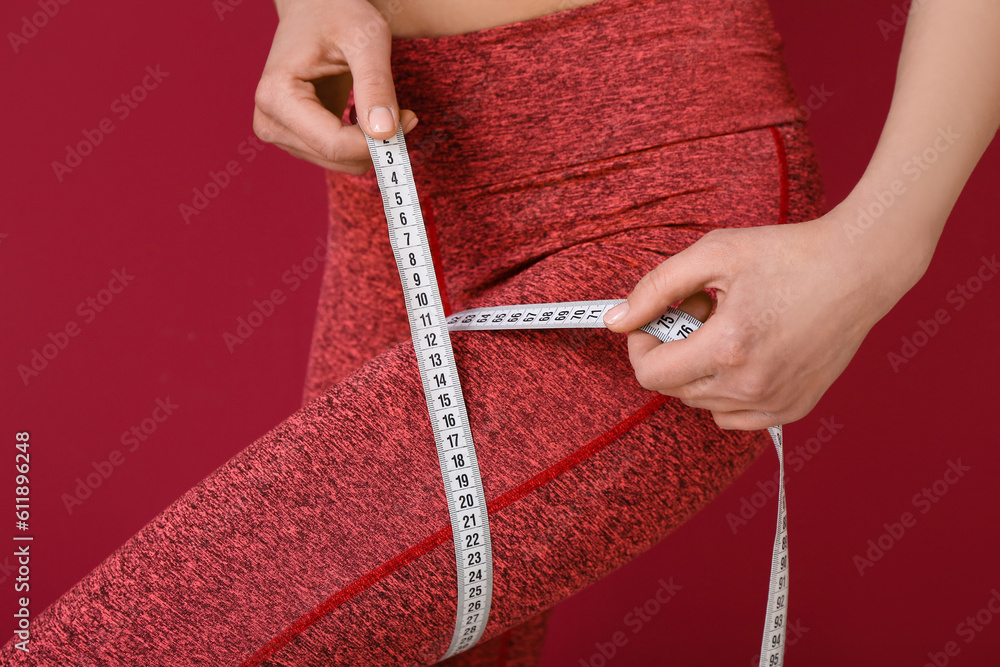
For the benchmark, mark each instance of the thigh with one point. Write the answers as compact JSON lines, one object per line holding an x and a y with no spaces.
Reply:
{"x":327,"y":541}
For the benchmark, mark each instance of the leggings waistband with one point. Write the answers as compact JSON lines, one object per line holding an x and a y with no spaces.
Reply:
{"x":603,"y":79}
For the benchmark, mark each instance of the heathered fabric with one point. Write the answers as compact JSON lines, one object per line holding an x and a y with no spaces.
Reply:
{"x":560,"y":158}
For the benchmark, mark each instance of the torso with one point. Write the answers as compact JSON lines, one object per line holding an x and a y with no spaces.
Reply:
{"x":436,"y":18}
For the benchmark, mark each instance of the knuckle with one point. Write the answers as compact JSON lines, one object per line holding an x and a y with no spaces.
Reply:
{"x":367,"y":19}
{"x":799,"y":408}
{"x":713,"y":238}
{"x":653,"y":282}
{"x":645,"y":378}
{"x":263,"y":128}
{"x":373,"y":79}
{"x":328,"y":148}
{"x":265,"y":97}
{"x":754,"y":389}
{"x":734,"y":351}
{"x":379,"y":27}
{"x":689,"y":394}
{"x":720,"y":243}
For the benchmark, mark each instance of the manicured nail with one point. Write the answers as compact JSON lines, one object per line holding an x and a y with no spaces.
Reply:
{"x":381,"y":120}
{"x":410,"y":125}
{"x":616,"y":313}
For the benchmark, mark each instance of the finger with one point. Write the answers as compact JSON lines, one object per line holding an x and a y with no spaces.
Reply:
{"x":355,"y":168}
{"x":288,"y":106}
{"x":407,"y":118}
{"x":293,"y":145}
{"x":698,"y":394}
{"x":698,"y":305}
{"x":745,"y":420}
{"x":374,"y":93}
{"x":274,"y":133}
{"x":669,"y":367}
{"x":676,"y":278}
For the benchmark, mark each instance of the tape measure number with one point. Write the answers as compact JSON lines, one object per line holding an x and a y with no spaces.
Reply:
{"x":446,"y":404}
{"x":671,"y":326}
{"x":443,"y":392}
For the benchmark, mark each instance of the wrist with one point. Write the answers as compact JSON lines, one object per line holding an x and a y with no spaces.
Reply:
{"x":895,"y":219}
{"x":885,"y":246}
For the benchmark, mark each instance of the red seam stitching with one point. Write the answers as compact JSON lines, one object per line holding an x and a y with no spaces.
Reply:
{"x":432,"y":240}
{"x":576,"y":458}
{"x":416,"y":551}
{"x":779,"y":143}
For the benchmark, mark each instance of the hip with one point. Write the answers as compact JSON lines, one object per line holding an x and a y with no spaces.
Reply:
{"x":666,"y":195}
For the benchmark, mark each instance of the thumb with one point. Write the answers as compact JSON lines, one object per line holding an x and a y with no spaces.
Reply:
{"x":677,"y":277}
{"x":374,"y":93}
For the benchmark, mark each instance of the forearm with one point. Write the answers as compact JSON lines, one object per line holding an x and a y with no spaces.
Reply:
{"x":945,"y":111}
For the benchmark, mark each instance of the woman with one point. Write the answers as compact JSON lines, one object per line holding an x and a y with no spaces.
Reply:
{"x":564,"y":153}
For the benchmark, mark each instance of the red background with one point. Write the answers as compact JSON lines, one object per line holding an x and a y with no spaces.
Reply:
{"x":162,"y":337}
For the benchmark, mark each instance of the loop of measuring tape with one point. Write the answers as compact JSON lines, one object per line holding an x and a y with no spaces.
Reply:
{"x":446,"y":404}
{"x":671,"y":326}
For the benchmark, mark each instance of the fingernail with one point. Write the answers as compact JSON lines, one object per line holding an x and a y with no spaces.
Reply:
{"x":616,"y":313}
{"x":410,"y":125}
{"x":381,"y":120}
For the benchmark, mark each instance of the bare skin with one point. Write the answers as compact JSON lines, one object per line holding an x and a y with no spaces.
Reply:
{"x":419,"y":18}
{"x":842,"y":275}
{"x":323,"y":47}
{"x":846,"y":276}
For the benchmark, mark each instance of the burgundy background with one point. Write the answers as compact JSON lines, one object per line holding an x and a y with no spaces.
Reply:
{"x":162,"y":337}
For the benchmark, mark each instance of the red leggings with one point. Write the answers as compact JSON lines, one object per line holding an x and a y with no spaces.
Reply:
{"x":558,"y":159}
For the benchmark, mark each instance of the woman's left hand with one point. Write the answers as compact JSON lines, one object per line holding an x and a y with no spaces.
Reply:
{"x":794,"y":303}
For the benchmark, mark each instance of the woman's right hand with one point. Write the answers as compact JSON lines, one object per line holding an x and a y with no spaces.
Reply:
{"x":320,"y":49}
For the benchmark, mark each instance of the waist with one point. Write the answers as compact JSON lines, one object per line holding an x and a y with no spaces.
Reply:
{"x":450,"y":17}
{"x":608,"y":78}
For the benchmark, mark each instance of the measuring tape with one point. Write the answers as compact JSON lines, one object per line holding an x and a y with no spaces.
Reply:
{"x":446,"y":404}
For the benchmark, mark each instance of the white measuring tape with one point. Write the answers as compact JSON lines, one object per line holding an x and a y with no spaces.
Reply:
{"x":446,"y":404}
